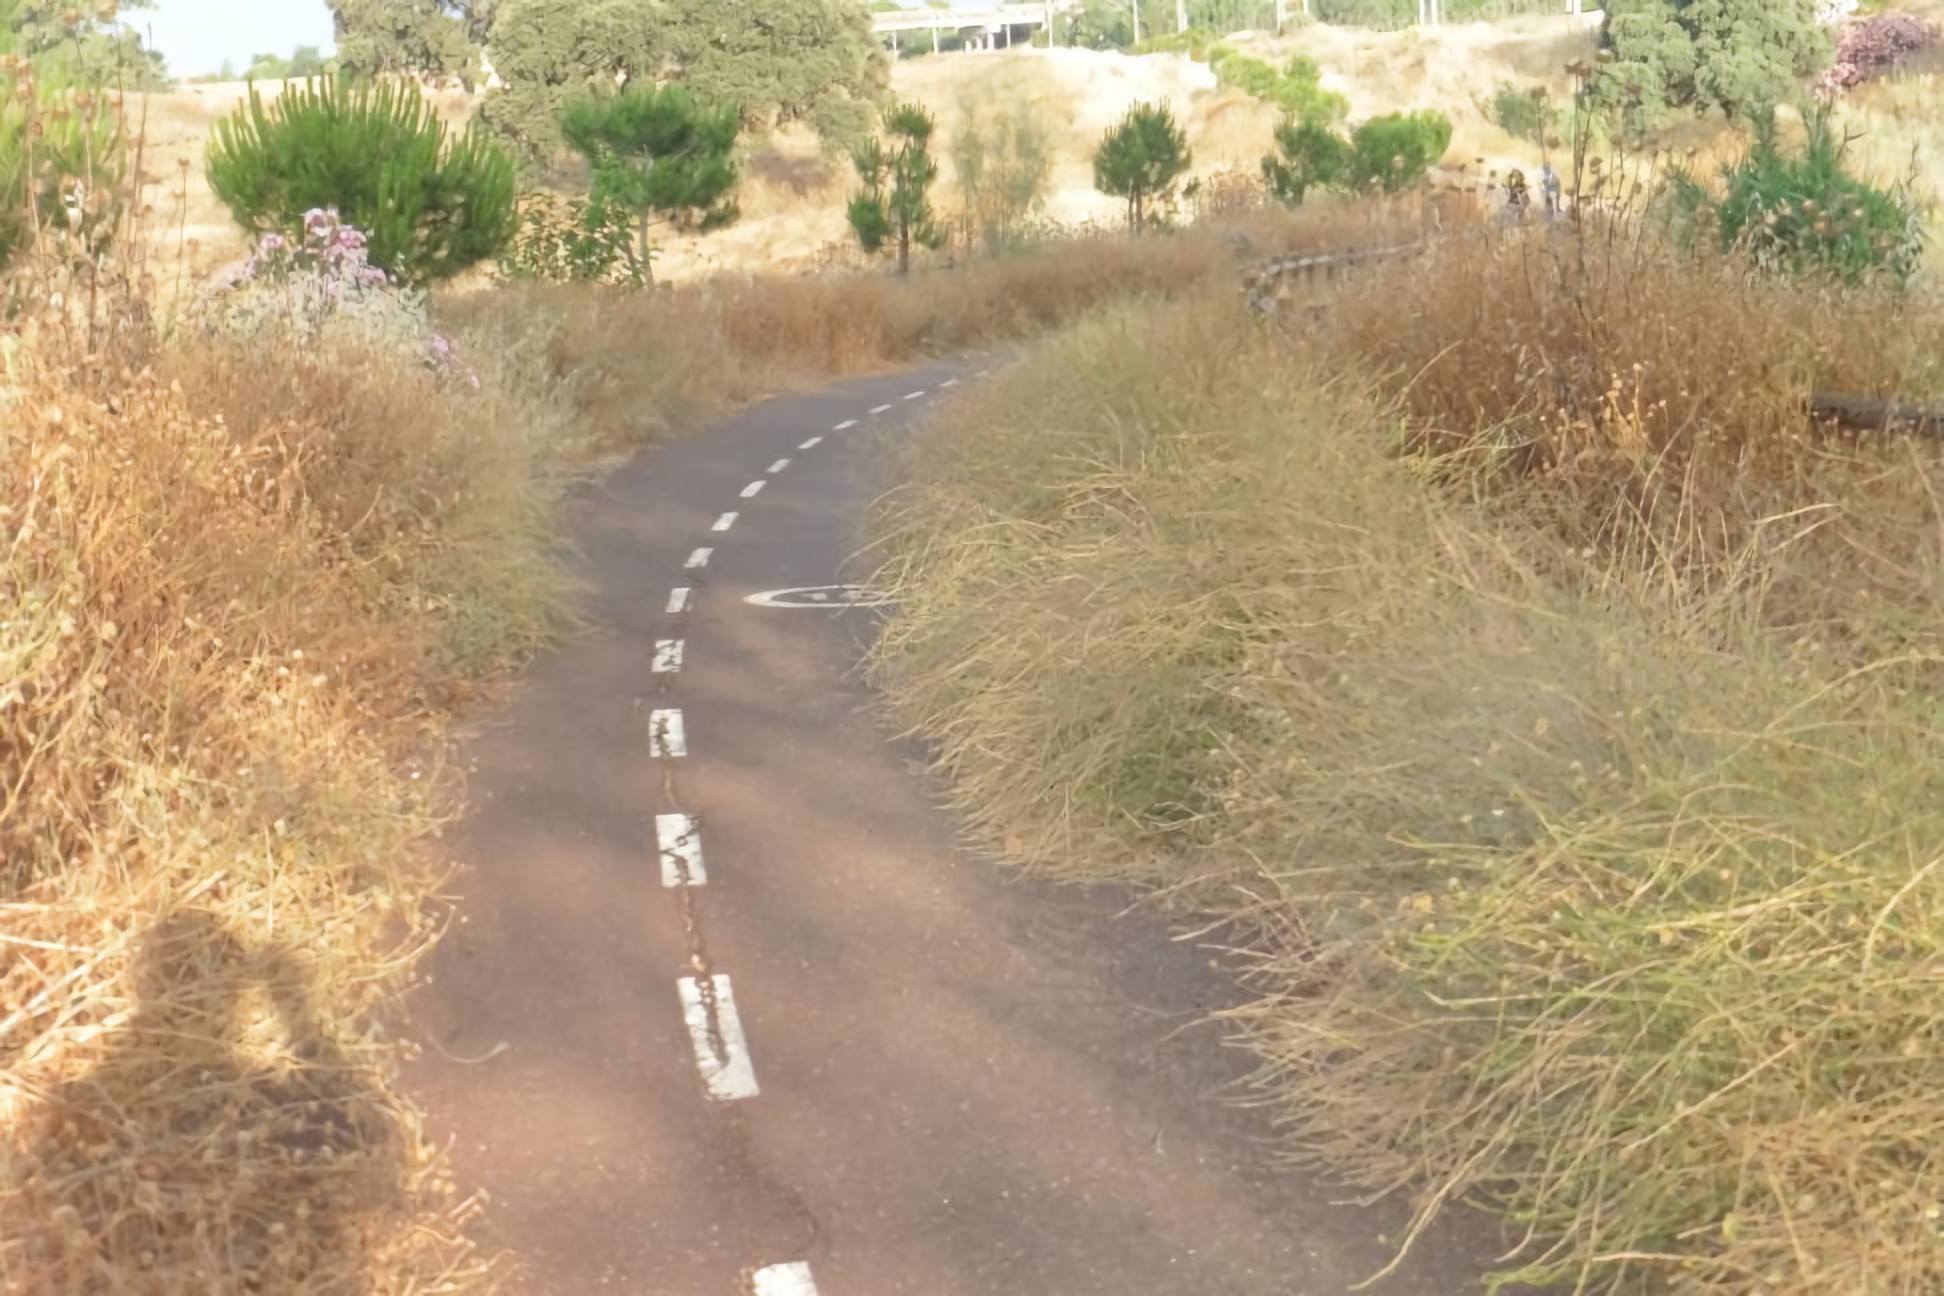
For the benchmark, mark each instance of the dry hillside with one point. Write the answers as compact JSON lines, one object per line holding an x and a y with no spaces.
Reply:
{"x":793,"y":198}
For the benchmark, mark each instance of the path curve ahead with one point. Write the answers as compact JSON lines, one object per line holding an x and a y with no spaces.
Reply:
{"x":766,"y":1028}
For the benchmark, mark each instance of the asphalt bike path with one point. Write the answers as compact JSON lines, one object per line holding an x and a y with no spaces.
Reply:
{"x":728,"y":1009}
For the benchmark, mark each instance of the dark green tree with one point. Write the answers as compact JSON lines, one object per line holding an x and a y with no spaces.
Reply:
{"x":1741,"y":56}
{"x":657,"y":154}
{"x":894,"y":205}
{"x":408,"y":37}
{"x":1392,"y":153}
{"x":1140,"y":159}
{"x":431,"y":203}
{"x":808,"y":60}
{"x":1309,"y":155}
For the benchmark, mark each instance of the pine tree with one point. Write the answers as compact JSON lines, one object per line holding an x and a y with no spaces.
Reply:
{"x":894,"y":203}
{"x":656,"y":153}
{"x":1140,"y":159}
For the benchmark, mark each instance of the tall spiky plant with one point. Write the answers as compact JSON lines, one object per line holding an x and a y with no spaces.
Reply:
{"x":894,"y":203}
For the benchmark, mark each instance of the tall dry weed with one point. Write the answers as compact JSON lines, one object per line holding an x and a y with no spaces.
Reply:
{"x":1579,"y":871}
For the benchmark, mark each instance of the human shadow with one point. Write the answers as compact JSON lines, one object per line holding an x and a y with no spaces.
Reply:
{"x":226,"y":1142}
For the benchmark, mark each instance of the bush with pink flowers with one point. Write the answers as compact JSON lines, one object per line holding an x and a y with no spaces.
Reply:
{"x":323,"y":290}
{"x":1874,"y":47}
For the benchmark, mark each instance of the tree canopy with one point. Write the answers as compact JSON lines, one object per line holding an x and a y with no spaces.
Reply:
{"x":1741,"y":56}
{"x":1140,"y":158}
{"x":810,"y":60}
{"x":427,"y":37}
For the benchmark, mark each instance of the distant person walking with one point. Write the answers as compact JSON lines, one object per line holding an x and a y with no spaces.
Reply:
{"x":1518,"y":197}
{"x":1549,"y":186}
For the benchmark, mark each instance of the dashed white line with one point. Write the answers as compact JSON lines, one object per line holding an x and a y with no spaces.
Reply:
{"x":879,"y":409}
{"x":727,"y":1073}
{"x":785,"y":1280}
{"x":983,"y":373}
{"x":752,"y":490}
{"x":680,"y":846}
{"x":665,"y":736}
{"x":778,"y":466}
{"x":668,"y":656}
{"x":846,"y":425}
{"x":724,"y":522}
{"x":678,"y":599}
{"x":813,"y":441}
{"x":700,"y":558}
{"x":913,"y":395}
{"x":949,"y":382}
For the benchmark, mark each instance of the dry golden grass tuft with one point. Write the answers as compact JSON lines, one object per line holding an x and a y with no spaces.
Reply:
{"x":213,"y":677}
{"x":1582,"y":823}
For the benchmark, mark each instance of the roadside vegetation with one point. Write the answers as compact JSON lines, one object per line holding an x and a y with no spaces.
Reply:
{"x":1505,"y":662}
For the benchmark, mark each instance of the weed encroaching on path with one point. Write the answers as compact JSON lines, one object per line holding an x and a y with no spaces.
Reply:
{"x":1546,"y":707}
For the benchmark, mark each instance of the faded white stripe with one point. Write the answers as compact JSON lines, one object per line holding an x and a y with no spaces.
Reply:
{"x":680,"y":846}
{"x":778,"y":466}
{"x":728,"y":1074}
{"x":678,"y":599}
{"x":785,"y":1280}
{"x":811,"y":443}
{"x":724,"y":522}
{"x":700,"y":558}
{"x":754,"y":489}
{"x":879,"y":409}
{"x":668,"y":656}
{"x":914,"y":395}
{"x":665,"y":735}
{"x":846,"y":424}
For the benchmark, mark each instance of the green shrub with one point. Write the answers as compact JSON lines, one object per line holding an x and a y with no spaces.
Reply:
{"x":1801,"y":211}
{"x":1309,"y":155}
{"x":1297,"y":89}
{"x":1391,"y":153}
{"x":432,"y":205}
{"x":894,"y":204}
{"x":1741,"y":56}
{"x":1523,"y":112}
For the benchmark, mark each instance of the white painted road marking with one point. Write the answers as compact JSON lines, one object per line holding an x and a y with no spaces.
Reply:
{"x":913,"y":395}
{"x":678,"y":599}
{"x":752,"y":490}
{"x":700,"y":558}
{"x":724,"y":522}
{"x":819,"y":596}
{"x":785,"y":1280}
{"x":668,"y":656}
{"x":680,"y":846}
{"x":727,"y":1074}
{"x":665,"y":736}
{"x":949,"y":382}
{"x":983,"y":373}
{"x":812,"y":442}
{"x":879,"y":409}
{"x":846,"y":424}
{"x":778,"y":466}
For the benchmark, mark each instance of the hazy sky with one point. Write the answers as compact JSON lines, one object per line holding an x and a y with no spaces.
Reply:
{"x":195,"y":36}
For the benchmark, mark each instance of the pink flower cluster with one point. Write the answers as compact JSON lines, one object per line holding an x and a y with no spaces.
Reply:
{"x":336,"y":252}
{"x":1872,"y":47}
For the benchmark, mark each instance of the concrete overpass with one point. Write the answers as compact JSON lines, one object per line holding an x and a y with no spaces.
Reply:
{"x":994,"y":23}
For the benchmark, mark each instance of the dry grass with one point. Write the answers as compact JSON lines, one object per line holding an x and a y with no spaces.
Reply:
{"x":1578,"y":871}
{"x":216,"y":681}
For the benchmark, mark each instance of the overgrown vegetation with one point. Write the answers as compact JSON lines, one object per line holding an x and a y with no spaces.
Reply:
{"x":1296,"y":88}
{"x":432,"y":204}
{"x":1800,"y":210}
{"x":1566,"y":762}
